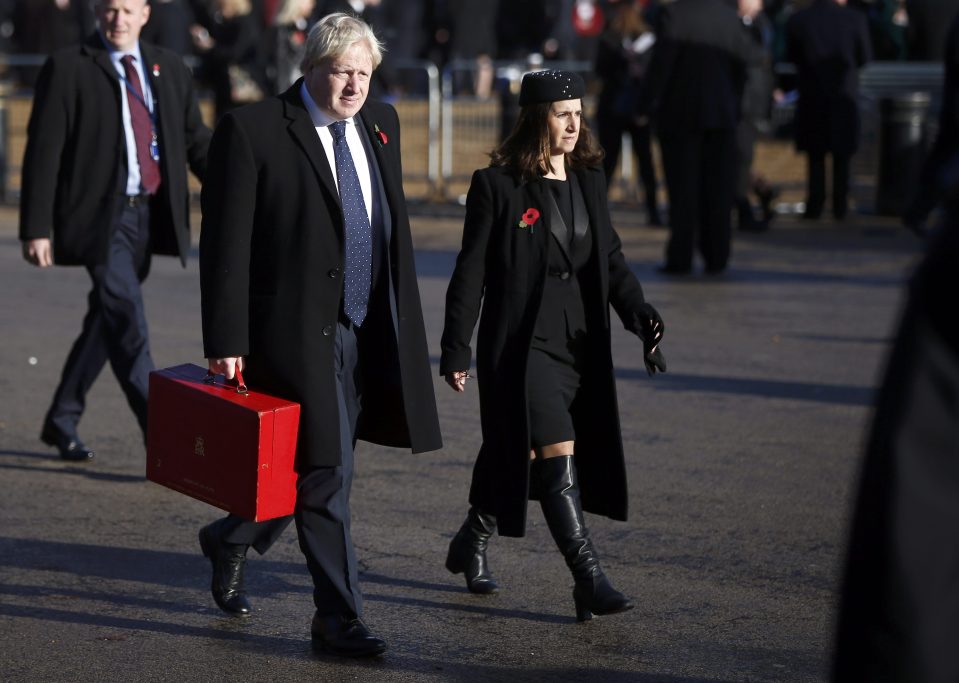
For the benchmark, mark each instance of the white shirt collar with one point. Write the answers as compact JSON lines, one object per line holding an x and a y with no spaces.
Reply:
{"x":319,"y":117}
{"x":117,"y":55}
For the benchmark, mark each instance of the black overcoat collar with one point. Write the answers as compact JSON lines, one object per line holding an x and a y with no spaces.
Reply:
{"x":302,"y":128}
{"x":93,"y":47}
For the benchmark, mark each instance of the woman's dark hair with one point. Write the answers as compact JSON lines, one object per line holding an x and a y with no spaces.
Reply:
{"x":527,"y":148}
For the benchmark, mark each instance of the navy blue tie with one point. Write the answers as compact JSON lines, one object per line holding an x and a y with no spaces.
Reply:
{"x":356,"y":224}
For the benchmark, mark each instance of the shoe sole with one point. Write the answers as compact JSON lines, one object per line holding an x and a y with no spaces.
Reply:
{"x":46,"y":438}
{"x":454,"y":568}
{"x":321,"y":647}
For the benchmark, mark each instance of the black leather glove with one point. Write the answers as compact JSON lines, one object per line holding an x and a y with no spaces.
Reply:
{"x":654,"y":361}
{"x":650,"y":329}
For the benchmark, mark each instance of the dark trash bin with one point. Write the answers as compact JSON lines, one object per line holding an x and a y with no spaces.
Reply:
{"x":902,"y":148}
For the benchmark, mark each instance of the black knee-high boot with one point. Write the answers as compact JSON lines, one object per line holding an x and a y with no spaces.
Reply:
{"x":467,"y":553}
{"x":559,"y":498}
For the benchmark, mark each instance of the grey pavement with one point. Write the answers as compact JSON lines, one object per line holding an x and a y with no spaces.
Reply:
{"x":742,"y":464}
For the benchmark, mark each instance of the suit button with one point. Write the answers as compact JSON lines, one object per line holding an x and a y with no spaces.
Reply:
{"x":564,"y":276}
{"x":334,"y":272}
{"x":328,"y":330}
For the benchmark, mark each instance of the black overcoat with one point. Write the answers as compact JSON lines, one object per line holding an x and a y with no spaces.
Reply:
{"x":74,"y":165}
{"x":271,"y":275}
{"x":828,"y":44}
{"x":504,"y":267}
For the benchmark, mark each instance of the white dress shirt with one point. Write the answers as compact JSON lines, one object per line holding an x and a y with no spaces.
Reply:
{"x":133,"y":163}
{"x":321,"y":121}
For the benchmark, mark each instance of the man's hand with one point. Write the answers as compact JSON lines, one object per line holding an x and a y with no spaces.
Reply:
{"x":38,"y":252}
{"x":225,"y":366}
{"x":457,"y":380}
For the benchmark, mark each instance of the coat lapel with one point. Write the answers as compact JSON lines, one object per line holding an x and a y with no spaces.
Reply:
{"x":557,"y":226}
{"x":379,"y":152}
{"x":538,"y":198}
{"x":580,"y":212}
{"x":101,"y":57}
{"x":162,"y":97}
{"x":302,"y":129}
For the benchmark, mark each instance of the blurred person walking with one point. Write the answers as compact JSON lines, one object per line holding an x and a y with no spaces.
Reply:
{"x":227,"y":39}
{"x":286,"y":43}
{"x":622,"y":59}
{"x":169,"y":25}
{"x":694,"y":88}
{"x":41,"y":27}
{"x":114,"y":123}
{"x":757,"y":95}
{"x":541,"y":256}
{"x":828,"y":42}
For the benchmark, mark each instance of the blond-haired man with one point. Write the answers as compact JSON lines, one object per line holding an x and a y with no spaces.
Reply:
{"x":308,"y":286}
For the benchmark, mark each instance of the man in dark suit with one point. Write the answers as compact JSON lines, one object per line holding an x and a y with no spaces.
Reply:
{"x":113,"y":125}
{"x":828,"y":42}
{"x":694,"y":86}
{"x":308,"y":284}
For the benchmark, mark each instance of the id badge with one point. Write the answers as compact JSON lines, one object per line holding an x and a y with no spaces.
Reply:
{"x":155,"y":148}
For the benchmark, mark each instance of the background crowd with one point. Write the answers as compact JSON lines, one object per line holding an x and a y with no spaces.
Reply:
{"x":241,"y":51}
{"x":247,"y":48}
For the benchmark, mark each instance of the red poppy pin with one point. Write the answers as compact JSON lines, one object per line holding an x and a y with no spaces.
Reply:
{"x":156,"y":70}
{"x":380,"y":135}
{"x":528,"y":220}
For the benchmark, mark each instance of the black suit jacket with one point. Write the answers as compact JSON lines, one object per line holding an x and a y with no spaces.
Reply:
{"x":828,"y":44}
{"x":271,"y":275}
{"x":695,"y":79}
{"x":929,"y":22}
{"x":503,"y":267}
{"x":75,"y":161}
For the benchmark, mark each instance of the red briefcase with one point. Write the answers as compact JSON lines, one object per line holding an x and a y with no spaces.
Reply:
{"x":221,"y":443}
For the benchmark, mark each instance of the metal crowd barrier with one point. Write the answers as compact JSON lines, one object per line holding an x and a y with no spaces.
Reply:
{"x":419,"y":115}
{"x":448,"y":131}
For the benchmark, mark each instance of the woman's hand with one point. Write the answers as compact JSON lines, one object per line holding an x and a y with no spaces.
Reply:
{"x":457,"y":380}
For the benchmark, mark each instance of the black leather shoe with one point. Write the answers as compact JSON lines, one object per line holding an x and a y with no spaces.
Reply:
{"x":344,"y":637}
{"x":228,"y":563}
{"x":70,"y":447}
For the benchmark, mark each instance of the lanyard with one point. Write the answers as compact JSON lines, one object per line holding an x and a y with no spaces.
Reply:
{"x":154,"y":140}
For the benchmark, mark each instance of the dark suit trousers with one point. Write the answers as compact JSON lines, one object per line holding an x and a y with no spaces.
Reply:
{"x":816,"y":188}
{"x":700,"y":169}
{"x":322,"y":503}
{"x":115,"y":326}
{"x":611,"y":140}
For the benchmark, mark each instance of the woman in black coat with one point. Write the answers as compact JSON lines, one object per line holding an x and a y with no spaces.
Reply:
{"x":541,"y":256}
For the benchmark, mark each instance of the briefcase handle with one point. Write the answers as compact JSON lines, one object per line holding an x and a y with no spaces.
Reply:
{"x":240,"y":384}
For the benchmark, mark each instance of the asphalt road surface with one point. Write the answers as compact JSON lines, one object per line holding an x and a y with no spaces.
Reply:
{"x":742,"y":466}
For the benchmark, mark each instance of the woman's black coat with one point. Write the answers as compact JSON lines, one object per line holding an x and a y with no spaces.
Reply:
{"x":503,"y":267}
